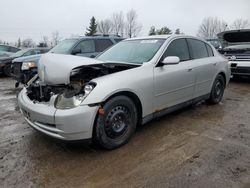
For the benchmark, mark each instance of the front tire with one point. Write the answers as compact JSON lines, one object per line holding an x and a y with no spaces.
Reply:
{"x":117,"y":124}
{"x":217,"y":92}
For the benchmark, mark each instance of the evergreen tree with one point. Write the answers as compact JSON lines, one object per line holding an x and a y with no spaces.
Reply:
{"x":152,"y":31}
{"x":91,"y":30}
{"x":164,"y":31}
{"x":19,"y":43}
{"x":177,"y":31}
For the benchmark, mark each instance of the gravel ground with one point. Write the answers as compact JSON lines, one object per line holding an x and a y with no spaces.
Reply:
{"x":200,"y":146}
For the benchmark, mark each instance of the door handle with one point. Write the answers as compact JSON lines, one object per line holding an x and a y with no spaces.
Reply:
{"x":189,"y":70}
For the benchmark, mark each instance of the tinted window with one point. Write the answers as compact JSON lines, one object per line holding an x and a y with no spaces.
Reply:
{"x":102,"y":44}
{"x":86,"y":46}
{"x":178,"y":48}
{"x":11,"y":49}
{"x":198,"y":49}
{"x":210,"y":51}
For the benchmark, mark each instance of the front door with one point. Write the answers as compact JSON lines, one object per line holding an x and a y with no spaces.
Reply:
{"x":174,"y":84}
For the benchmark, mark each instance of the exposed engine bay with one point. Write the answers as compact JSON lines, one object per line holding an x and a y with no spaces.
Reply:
{"x":80,"y":81}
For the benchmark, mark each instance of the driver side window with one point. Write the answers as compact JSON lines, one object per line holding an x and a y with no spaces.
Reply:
{"x":178,"y":48}
{"x":86,"y":46}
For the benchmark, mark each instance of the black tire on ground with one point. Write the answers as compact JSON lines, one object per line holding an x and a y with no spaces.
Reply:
{"x":7,"y":70}
{"x":218,"y":88}
{"x":116,"y":126}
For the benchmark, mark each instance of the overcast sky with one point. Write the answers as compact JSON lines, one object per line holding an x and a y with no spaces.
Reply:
{"x":36,"y":18}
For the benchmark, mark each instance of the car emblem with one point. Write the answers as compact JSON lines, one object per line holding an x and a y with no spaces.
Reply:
{"x":233,"y":57}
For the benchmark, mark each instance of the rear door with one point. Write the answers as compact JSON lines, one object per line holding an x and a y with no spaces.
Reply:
{"x":174,"y":84}
{"x":204,"y":66}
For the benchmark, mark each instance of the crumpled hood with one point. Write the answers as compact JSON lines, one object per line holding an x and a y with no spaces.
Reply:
{"x":234,"y":37}
{"x":55,"y":68}
{"x":28,"y":58}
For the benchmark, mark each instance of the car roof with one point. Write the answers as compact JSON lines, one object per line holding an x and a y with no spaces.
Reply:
{"x":165,"y":37}
{"x":96,"y":37}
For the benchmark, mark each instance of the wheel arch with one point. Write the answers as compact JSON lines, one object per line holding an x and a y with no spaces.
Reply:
{"x":128,"y":94}
{"x":223,"y":75}
{"x":134,"y":97}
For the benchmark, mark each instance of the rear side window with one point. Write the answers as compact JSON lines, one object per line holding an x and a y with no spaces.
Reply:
{"x":102,"y":44}
{"x":209,"y":50}
{"x":198,"y":49}
{"x":178,"y":48}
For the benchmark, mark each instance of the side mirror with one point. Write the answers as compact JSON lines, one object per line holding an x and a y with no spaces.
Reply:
{"x":76,"y":51}
{"x":171,"y":60}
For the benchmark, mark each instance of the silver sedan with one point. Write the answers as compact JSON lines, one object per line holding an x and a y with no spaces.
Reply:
{"x":104,"y":99}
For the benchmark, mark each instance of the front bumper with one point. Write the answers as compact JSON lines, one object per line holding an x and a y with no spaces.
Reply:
{"x":69,"y":124}
{"x":240,"y":68}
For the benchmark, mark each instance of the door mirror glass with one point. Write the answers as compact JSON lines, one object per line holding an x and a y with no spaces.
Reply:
{"x":171,"y":60}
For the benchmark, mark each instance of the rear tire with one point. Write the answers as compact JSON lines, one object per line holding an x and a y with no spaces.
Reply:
{"x":217,"y":92}
{"x":116,"y":126}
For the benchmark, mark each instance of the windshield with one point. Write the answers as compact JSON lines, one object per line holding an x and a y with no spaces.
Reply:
{"x":19,"y":53}
{"x":3,"y":48}
{"x":64,"y":46}
{"x":132,"y":51}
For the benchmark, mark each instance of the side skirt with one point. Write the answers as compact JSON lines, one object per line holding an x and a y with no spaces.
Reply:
{"x":173,"y":108}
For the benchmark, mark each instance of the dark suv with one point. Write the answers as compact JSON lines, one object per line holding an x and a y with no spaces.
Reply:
{"x":25,"y":68}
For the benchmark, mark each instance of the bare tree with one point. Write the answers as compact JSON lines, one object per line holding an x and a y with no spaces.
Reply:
{"x":45,"y":40}
{"x":210,"y":27}
{"x":133,"y":27}
{"x":240,"y":24}
{"x":104,"y":26}
{"x":55,"y":38}
{"x":27,"y":43}
{"x":118,"y":23}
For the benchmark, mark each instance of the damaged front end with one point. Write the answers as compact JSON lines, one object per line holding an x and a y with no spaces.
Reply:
{"x":79,"y":87}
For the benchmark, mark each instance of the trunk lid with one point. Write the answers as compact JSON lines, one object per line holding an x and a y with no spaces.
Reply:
{"x":234,"y":37}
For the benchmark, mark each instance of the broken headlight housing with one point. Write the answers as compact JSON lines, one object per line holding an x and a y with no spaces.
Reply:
{"x":63,"y":102}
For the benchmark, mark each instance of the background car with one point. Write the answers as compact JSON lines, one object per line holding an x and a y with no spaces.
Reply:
{"x":26,"y":67}
{"x":138,"y":79}
{"x":5,"y":62}
{"x":6,"y":50}
{"x":215,"y":42}
{"x":236,"y":47}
